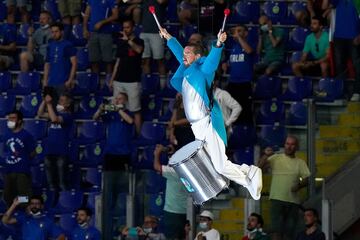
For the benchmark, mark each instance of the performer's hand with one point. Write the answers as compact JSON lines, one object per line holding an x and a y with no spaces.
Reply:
{"x":164,"y":34}
{"x":221,"y":38}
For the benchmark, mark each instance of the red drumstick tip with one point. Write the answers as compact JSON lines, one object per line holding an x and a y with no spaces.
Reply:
{"x":227,"y":12}
{"x":152,"y":9}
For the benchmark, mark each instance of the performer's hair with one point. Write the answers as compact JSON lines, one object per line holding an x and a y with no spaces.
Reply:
{"x":197,"y":48}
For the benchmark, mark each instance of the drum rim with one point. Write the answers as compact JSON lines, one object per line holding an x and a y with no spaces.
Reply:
{"x":191,"y":155}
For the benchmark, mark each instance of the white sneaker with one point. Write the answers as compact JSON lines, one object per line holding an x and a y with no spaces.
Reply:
{"x":254,"y":178}
{"x":355,"y":97}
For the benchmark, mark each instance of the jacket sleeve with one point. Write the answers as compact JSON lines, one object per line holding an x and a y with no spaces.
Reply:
{"x":176,"y":49}
{"x":211,"y":62}
{"x":235,"y":107}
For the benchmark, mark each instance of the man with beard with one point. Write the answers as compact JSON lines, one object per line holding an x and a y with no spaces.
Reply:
{"x":289,"y":175}
{"x":312,"y":231}
{"x":34,"y":224}
{"x":84,"y":230}
{"x":254,"y":228}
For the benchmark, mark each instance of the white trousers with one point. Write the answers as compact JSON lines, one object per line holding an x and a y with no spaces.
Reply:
{"x":214,"y":145}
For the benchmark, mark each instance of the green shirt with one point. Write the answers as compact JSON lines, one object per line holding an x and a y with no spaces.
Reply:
{"x":286,"y":173}
{"x":317,"y":47}
{"x":272,"y":54}
{"x":175,"y":195}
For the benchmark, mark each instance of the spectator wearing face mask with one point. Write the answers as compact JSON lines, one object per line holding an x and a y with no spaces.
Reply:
{"x":313,"y":230}
{"x":205,"y":227}
{"x":18,"y":151}
{"x":149,"y":230}
{"x":57,"y":141}
{"x":34,"y":224}
{"x":84,"y":231}
{"x":254,"y":228}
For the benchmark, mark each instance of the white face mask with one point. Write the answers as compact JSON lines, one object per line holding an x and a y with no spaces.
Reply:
{"x":11,"y":124}
{"x":203,"y":225}
{"x":83,"y":225}
{"x":59,"y":108}
{"x":147,"y":230}
{"x":45,"y":26}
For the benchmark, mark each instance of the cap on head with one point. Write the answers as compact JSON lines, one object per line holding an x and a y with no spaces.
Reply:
{"x":207,"y":214}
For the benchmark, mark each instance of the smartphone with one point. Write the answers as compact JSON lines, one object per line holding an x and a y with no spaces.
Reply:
{"x":132,"y":232}
{"x":23,"y":199}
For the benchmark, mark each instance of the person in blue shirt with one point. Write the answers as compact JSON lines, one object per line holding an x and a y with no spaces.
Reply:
{"x":7,"y":45}
{"x":58,"y":139}
{"x":347,"y":40}
{"x":60,"y":63}
{"x":241,"y":64}
{"x":84,"y":231}
{"x":18,"y":151}
{"x":34,"y":224}
{"x":120,"y":127}
{"x":193,"y":79}
{"x":97,"y":28}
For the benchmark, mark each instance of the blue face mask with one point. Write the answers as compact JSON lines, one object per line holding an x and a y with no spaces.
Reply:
{"x":264,"y":28}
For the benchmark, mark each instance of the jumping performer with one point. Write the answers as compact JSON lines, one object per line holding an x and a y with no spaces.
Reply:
{"x":193,"y":80}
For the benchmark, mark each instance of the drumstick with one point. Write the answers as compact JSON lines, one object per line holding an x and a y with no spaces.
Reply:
{"x":152,"y":10}
{"x":226,"y":14}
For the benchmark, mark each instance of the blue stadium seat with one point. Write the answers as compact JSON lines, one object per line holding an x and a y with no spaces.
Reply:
{"x":156,"y":204}
{"x":83,"y":59}
{"x":293,"y":9}
{"x":167,"y":109}
{"x":298,"y":88}
{"x":151,"y":108}
{"x":244,"y":156}
{"x":245,"y":12}
{"x":3,"y":11}
{"x":40,"y":154}
{"x":69,"y":201}
{"x":150,"y":84}
{"x":271,"y":112}
{"x":2,"y":178}
{"x":145,"y":158}
{"x":276,"y":11}
{"x":26,"y":83}
{"x":30,"y":104}
{"x":74,"y":174}
{"x":35,"y":10}
{"x":242,"y":136}
{"x":7,"y":104}
{"x":77,"y":36}
{"x":90,"y":132}
{"x":3,"y":128}
{"x":287,"y":68}
{"x":267,"y":87}
{"x":93,"y":176}
{"x":49,"y":198}
{"x":155,"y":183}
{"x":104,"y":89}
{"x":88,"y":106}
{"x":297,"y":38}
{"x":272,"y":136}
{"x":297,"y":114}
{"x":5,"y":81}
{"x":37,"y":128}
{"x":74,"y":149}
{"x":332,"y":88}
{"x":51,"y":6}
{"x":172,"y":11}
{"x":85,"y":83}
{"x":151,"y":133}
{"x":67,"y":222}
{"x":91,"y":200}
{"x":38,"y":177}
{"x":92,"y":156}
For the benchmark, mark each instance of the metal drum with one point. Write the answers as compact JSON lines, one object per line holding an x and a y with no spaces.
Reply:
{"x":193,"y":165}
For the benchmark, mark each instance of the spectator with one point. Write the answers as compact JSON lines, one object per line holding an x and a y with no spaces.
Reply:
{"x":312,"y":231}
{"x":70,"y":11}
{"x":287,"y":170}
{"x":254,"y":228}
{"x":272,"y":46}
{"x":205,"y":225}
{"x":7,"y":45}
{"x":188,"y":11}
{"x":179,"y":127}
{"x":19,"y":149}
{"x":154,"y":44}
{"x":230,"y":108}
{"x":119,"y":123}
{"x":175,"y":197}
{"x":126,"y":76}
{"x":318,"y":8}
{"x":149,"y":230}
{"x":130,"y":9}
{"x":315,"y":53}
{"x":34,"y":224}
{"x":60,"y":63}
{"x":37,"y":44}
{"x":347,"y":40}
{"x":196,"y":38}
{"x":241,"y":63}
{"x":101,"y":14}
{"x":84,"y":231}
{"x":12,"y":6}
{"x":58,"y":139}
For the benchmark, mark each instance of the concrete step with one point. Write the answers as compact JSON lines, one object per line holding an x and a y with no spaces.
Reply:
{"x":231,"y":214}
{"x":341,"y":145}
{"x":228,"y":226}
{"x":336,"y":131}
{"x":349,"y":119}
{"x":353,"y":107}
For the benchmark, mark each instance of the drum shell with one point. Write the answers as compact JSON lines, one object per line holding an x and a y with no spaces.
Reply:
{"x":199,"y":176}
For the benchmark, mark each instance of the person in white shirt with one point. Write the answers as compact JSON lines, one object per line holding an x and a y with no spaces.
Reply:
{"x":205,"y":224}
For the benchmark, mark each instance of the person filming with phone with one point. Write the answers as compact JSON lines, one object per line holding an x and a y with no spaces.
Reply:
{"x":149,"y":230}
{"x":34,"y":224}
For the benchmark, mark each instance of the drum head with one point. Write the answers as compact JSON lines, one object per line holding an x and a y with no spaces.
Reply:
{"x":185,"y":152}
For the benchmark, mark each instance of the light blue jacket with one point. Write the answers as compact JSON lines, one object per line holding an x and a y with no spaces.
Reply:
{"x":200,"y":76}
